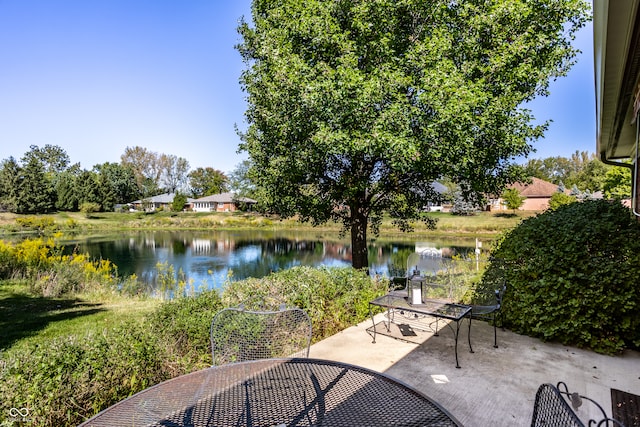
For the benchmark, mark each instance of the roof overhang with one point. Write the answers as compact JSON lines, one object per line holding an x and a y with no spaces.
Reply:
{"x":617,"y":67}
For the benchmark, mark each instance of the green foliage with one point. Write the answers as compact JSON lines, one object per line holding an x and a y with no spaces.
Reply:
{"x":558,"y":199}
{"x":117,"y":184}
{"x":179,"y":201}
{"x":617,"y":184}
{"x":240,"y":182}
{"x":35,"y":190}
{"x":169,"y":282}
{"x":572,"y":276}
{"x":38,"y":223}
{"x":50,"y":272}
{"x":207,"y":181}
{"x":334,"y":298}
{"x":183,"y":325}
{"x":356,"y":107}
{"x":67,"y":380}
{"x":512,"y":198}
{"x":582,"y":169}
{"x":9,"y":184}
{"x":88,"y":208}
{"x":66,"y":192}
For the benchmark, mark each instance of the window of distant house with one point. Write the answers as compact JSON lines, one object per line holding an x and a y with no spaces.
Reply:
{"x":220,"y":205}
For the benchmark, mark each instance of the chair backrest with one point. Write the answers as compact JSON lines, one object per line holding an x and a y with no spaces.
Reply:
{"x":552,"y":409}
{"x":239,"y":335}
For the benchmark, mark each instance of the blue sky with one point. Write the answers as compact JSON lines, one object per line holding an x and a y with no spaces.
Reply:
{"x":95,"y":77}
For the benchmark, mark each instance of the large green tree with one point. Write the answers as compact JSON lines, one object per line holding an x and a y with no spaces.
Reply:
{"x":582,"y":169}
{"x":117,"y":184}
{"x":35,"y":190}
{"x":10,"y":175}
{"x":617,"y":183}
{"x":240,"y":182}
{"x":356,"y":106}
{"x":207,"y":181}
{"x":175,"y":172}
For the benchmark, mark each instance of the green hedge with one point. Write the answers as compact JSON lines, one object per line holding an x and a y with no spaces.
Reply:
{"x":572,"y":276}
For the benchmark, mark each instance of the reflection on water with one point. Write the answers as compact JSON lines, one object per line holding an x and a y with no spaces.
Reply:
{"x":208,"y":258}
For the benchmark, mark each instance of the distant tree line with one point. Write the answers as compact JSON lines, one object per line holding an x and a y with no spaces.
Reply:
{"x":582,"y":173}
{"x":44,"y":180}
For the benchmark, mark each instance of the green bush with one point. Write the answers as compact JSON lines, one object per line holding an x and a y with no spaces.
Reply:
{"x":184,"y":325}
{"x":560,"y":199}
{"x":39,"y":223}
{"x":89,"y":208}
{"x":334,"y":298}
{"x":64,"y":381}
{"x":572,"y":276}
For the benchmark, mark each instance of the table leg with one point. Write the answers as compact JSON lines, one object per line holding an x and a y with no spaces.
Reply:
{"x":374,"y":324}
{"x":469,"y":335}
{"x":456,"y":345}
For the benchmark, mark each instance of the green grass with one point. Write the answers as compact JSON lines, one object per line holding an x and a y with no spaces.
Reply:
{"x":481,"y":223}
{"x":27,"y":318}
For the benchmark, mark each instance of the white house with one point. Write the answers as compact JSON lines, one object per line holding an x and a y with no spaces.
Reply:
{"x":223,"y":202}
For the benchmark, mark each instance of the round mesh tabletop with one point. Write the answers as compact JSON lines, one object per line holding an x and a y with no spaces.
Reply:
{"x":278,"y":392}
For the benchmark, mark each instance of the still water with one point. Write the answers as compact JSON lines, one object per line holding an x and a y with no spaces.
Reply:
{"x":209,"y":258}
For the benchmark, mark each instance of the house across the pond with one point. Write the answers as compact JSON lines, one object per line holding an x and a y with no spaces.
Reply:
{"x":223,"y":202}
{"x":537,"y":194}
{"x":154,"y":203}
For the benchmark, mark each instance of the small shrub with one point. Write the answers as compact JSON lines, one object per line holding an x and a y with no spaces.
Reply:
{"x":571,"y":276}
{"x":89,"y":208}
{"x":183,"y":325}
{"x":50,"y":272}
{"x":512,"y":198}
{"x":560,"y":199}
{"x":38,"y":223}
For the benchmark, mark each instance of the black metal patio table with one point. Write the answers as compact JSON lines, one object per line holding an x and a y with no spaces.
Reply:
{"x":278,"y":392}
{"x":394,"y":302}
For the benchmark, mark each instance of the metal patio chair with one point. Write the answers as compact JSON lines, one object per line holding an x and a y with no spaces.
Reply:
{"x":491,"y":312}
{"x":239,"y":335}
{"x":551,"y":408}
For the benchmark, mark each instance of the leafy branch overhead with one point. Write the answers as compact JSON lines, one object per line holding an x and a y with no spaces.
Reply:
{"x":355,"y":107}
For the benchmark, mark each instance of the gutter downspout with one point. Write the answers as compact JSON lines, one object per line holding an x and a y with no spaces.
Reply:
{"x":633,"y":167}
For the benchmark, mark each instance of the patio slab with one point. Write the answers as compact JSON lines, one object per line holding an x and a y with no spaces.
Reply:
{"x":494,"y":386}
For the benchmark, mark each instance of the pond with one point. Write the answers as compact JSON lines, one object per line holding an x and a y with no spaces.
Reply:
{"x":209,"y":258}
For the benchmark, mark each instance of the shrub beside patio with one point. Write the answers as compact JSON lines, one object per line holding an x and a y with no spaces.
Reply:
{"x":65,"y":380}
{"x":572,"y":276}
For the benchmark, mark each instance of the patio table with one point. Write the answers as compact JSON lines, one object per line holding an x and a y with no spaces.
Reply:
{"x":395,"y":302}
{"x":278,"y":392}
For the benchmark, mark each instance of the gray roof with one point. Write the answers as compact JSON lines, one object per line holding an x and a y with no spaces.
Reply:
{"x":165,"y":198}
{"x":439,"y":188}
{"x":225,"y":198}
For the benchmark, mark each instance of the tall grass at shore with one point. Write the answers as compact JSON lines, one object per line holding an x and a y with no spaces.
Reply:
{"x":481,"y":222}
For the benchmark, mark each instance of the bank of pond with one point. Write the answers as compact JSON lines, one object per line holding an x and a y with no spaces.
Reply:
{"x":189,"y":261}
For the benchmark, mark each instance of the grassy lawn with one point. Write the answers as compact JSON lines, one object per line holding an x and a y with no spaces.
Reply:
{"x":27,"y":318}
{"x":481,"y":223}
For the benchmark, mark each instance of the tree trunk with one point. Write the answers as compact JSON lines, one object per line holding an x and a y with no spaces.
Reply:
{"x":359,"y":251}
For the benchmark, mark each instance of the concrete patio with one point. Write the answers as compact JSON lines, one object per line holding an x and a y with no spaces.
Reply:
{"x":494,"y":386}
